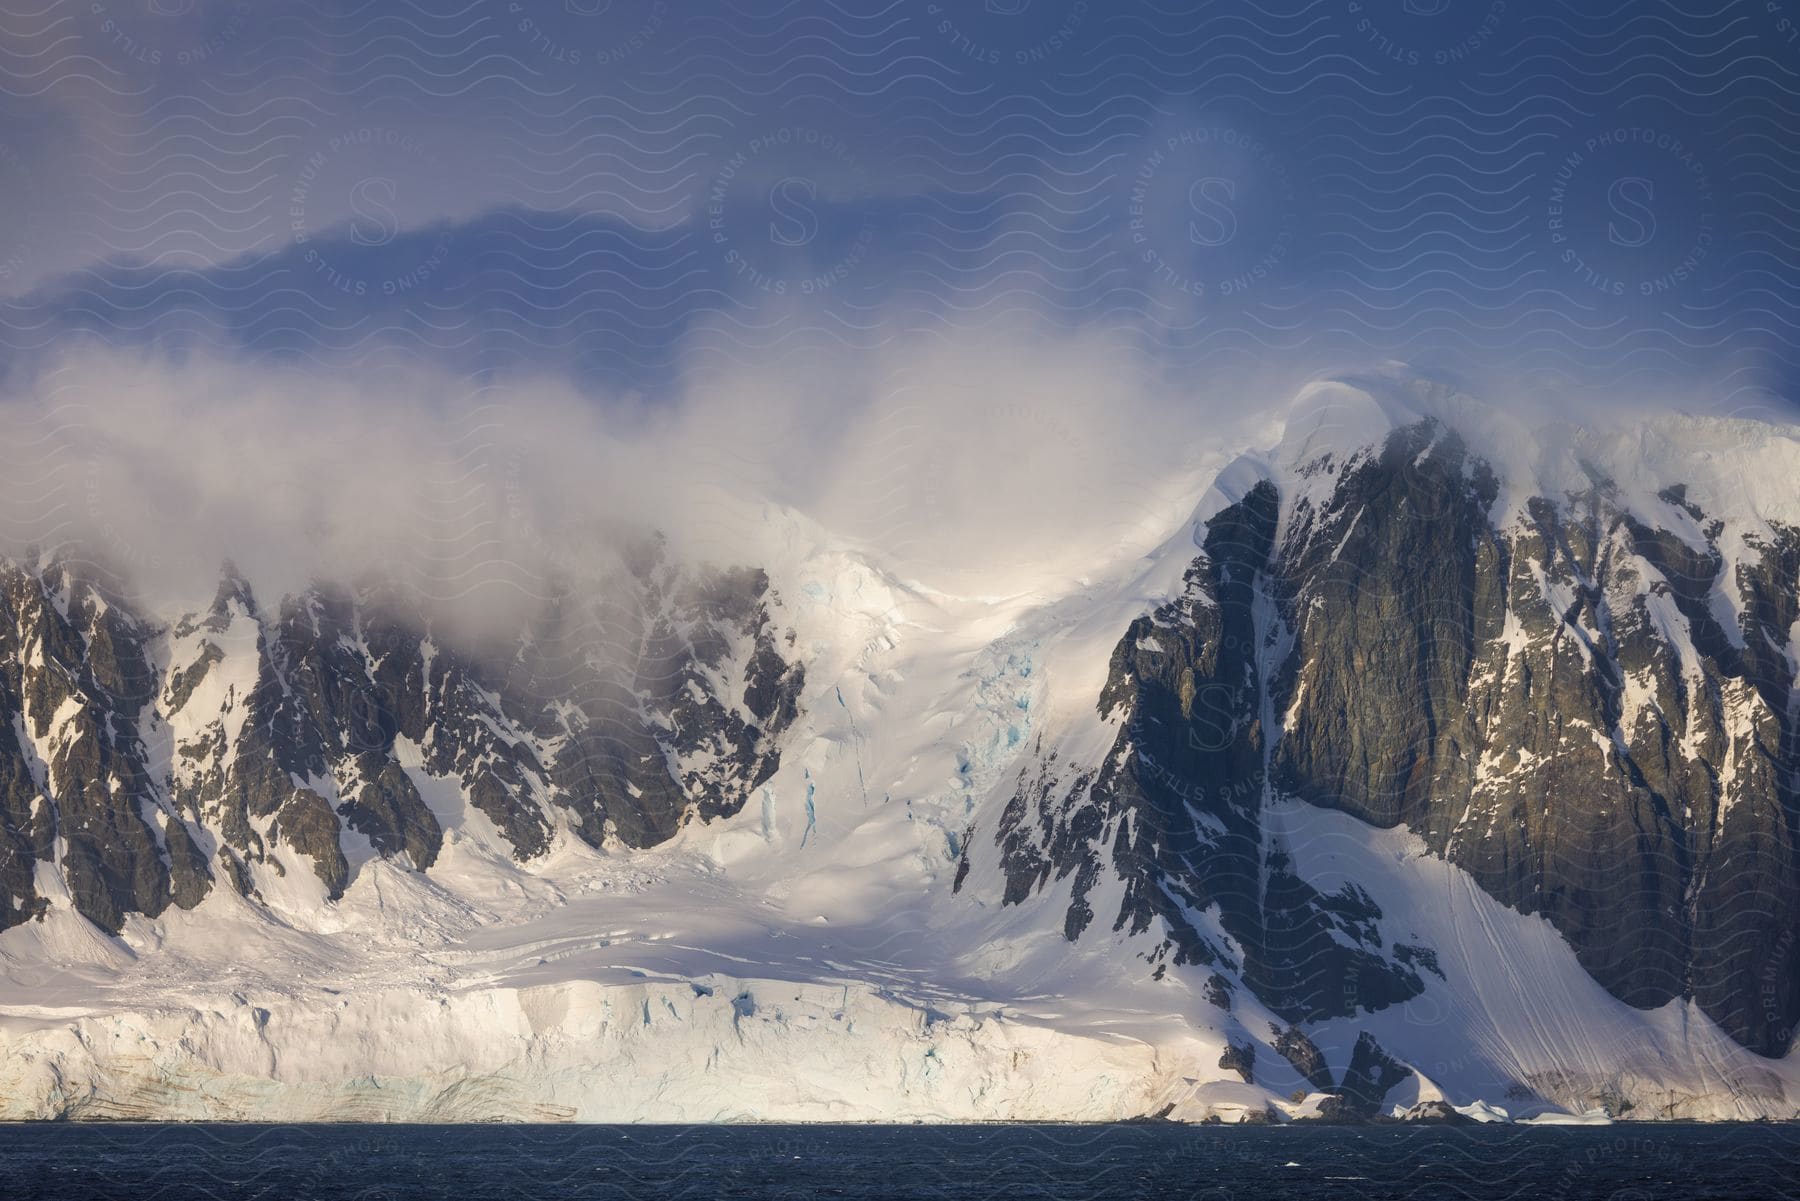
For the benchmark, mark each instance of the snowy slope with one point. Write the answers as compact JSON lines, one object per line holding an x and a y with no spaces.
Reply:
{"x":814,"y":955}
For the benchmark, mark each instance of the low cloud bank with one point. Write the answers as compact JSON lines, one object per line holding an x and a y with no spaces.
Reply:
{"x":988,"y":465}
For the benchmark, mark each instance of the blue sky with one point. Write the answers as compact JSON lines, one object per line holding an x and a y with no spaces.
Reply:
{"x":1575,"y":194}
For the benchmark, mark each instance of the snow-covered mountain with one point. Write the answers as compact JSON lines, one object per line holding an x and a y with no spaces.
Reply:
{"x":1440,"y":757}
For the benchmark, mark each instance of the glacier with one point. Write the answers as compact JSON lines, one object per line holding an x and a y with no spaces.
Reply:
{"x":820,"y":955}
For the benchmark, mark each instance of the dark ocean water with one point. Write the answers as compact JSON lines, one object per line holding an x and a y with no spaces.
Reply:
{"x":487,"y":1163}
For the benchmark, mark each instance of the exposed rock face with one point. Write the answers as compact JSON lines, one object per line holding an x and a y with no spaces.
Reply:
{"x":1590,"y":709}
{"x":1298,"y":1050}
{"x":1176,"y":808}
{"x":77,"y":686}
{"x":1240,"y":1058}
{"x":144,"y":763}
{"x":1371,"y":1074}
{"x":1439,"y":1113}
{"x":645,"y":735}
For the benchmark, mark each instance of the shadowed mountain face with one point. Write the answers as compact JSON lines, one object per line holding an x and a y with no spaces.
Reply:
{"x":1587,"y":701}
{"x":141,"y":764}
{"x":1593,"y":715}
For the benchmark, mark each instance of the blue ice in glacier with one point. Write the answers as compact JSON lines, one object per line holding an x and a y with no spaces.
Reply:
{"x":811,"y":814}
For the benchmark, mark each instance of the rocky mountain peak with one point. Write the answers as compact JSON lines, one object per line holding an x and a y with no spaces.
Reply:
{"x":142,"y":761}
{"x":1583,"y":696}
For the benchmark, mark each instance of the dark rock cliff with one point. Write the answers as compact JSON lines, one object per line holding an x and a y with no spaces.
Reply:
{"x":145,"y":763}
{"x":1591,"y":714}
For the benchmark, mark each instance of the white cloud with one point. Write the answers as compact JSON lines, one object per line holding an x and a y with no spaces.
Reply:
{"x":994,"y":463}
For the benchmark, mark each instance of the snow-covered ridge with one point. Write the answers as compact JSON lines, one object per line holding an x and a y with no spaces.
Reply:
{"x":1739,"y":470}
{"x":841,"y":946}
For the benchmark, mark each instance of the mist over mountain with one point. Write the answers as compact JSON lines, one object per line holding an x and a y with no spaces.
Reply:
{"x":1397,"y":747}
{"x":1024,"y":560}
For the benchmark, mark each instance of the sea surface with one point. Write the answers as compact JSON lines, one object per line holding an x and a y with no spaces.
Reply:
{"x":63,"y":1162}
